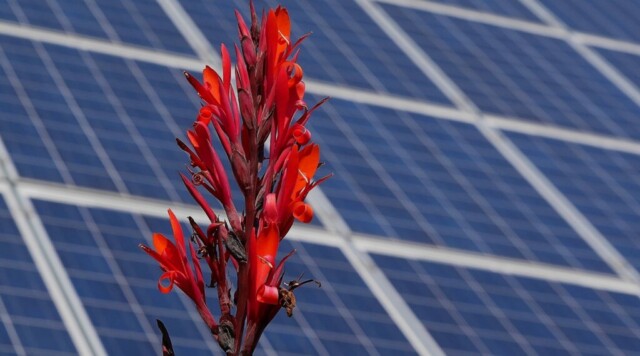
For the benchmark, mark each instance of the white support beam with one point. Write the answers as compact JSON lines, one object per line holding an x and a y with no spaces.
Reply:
{"x":501,"y":265}
{"x":392,"y":301}
{"x":98,"y":46}
{"x":190,"y":31}
{"x":568,"y":135}
{"x":477,"y":16}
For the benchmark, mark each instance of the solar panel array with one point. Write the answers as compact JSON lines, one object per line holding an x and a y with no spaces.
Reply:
{"x":485,"y":197}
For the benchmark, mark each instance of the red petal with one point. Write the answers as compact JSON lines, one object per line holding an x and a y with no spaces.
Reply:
{"x":160,"y":243}
{"x":226,"y":67}
{"x":211,"y":81}
{"x":284,"y":23}
{"x":301,"y":134}
{"x":179,"y":237}
{"x":170,"y":276}
{"x":268,"y":295}
{"x":198,"y":198}
{"x":303,"y":212}
{"x":270,"y":212}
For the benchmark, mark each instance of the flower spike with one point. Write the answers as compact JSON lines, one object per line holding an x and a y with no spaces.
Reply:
{"x":261,"y":125}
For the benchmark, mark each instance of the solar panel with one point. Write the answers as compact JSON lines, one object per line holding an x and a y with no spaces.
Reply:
{"x":470,"y":311}
{"x":77,"y":121}
{"x":30,"y":323}
{"x":139,"y":22}
{"x":346,"y":46}
{"x":602,"y":184}
{"x":616,"y":18}
{"x":117,"y":285}
{"x":521,"y":75}
{"x":440,"y":182}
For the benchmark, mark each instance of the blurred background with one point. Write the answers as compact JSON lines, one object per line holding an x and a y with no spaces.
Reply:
{"x":486,"y":197}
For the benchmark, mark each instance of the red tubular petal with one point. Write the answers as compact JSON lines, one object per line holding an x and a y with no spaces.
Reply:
{"x":268,"y":295}
{"x":294,"y":72}
{"x":211,"y":81}
{"x":288,"y":183}
{"x":205,"y":115}
{"x":194,"y":158}
{"x":177,"y":233}
{"x":301,"y":134}
{"x":226,"y":67}
{"x":198,"y":198}
{"x":199,"y":278}
{"x":211,"y":159}
{"x":303,"y":212}
{"x":270,"y":212}
{"x":202,"y":91}
{"x":284,"y":23}
{"x":243,"y":31}
{"x":170,"y":276}
{"x":305,"y":117}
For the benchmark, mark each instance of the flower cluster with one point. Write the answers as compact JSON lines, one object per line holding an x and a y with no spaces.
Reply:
{"x":261,"y":126}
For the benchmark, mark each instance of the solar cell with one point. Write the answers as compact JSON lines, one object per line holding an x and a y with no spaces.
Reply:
{"x":117,"y":285}
{"x":30,"y":323}
{"x":474,"y":311}
{"x":614,"y":18}
{"x":346,"y":46}
{"x":440,"y":182}
{"x":139,"y":22}
{"x":522,"y":75}
{"x":602,"y":184}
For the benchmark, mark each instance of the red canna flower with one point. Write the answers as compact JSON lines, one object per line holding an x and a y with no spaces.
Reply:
{"x":261,"y":126}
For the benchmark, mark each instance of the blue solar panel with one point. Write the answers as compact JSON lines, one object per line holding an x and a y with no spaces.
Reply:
{"x":25,"y":305}
{"x":346,"y":47}
{"x":416,"y":178}
{"x":139,"y":22}
{"x":604,"y":185}
{"x":613,"y":18}
{"x":522,"y":75}
{"x":117,"y":284}
{"x":513,"y":9}
{"x":470,"y":311}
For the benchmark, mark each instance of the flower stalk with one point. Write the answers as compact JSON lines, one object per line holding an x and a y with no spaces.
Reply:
{"x":266,"y":107}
